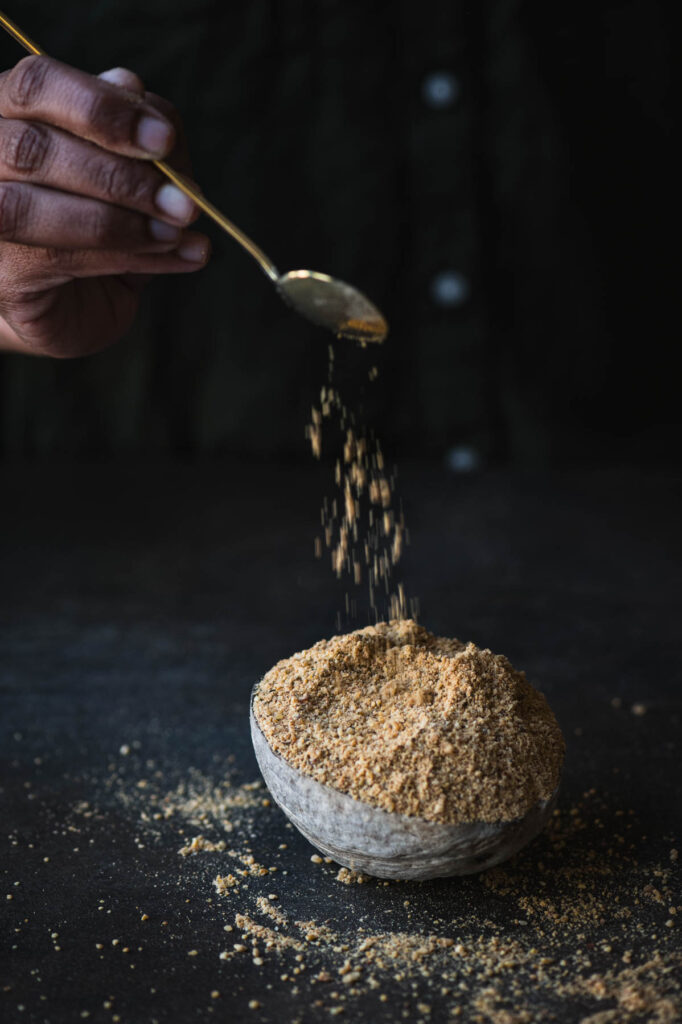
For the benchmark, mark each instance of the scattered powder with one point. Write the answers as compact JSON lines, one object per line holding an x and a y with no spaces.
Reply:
{"x":267,"y":937}
{"x":223,"y":883}
{"x":414,"y":723}
{"x":315,"y":931}
{"x":573,"y":927}
{"x":251,"y":865}
{"x":197,"y":801}
{"x":635,"y":991}
{"x":271,"y":911}
{"x":350,"y":877}
{"x":202,"y":845}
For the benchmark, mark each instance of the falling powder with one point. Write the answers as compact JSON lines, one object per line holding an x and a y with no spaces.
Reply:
{"x":361,"y":528}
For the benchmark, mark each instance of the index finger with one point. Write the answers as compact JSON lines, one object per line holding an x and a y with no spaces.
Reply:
{"x":42,"y":89}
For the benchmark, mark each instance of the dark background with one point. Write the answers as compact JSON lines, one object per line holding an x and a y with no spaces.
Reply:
{"x":543,"y":182}
{"x":148,"y":579}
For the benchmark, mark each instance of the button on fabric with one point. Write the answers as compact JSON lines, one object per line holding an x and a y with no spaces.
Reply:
{"x":440,"y":89}
{"x":450,"y":289}
{"x":462,"y":458}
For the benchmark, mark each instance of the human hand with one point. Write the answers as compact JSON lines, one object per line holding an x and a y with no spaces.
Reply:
{"x":85,"y":217}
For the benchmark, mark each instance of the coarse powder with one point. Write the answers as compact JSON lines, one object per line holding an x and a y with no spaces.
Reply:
{"x":581,"y":925}
{"x":363,"y":524}
{"x":413,"y":723}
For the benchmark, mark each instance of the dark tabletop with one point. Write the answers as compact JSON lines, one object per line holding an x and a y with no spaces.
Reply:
{"x":140,"y":603}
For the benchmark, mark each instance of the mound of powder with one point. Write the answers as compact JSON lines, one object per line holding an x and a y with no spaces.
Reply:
{"x":414,"y":723}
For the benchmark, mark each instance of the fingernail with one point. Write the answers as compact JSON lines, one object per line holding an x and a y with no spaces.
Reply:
{"x":174,"y":203}
{"x":154,"y":135}
{"x":163,"y":232}
{"x":194,"y":250}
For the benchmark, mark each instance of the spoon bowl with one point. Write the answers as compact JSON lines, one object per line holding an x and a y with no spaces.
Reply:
{"x":332,"y":304}
{"x":388,"y":845}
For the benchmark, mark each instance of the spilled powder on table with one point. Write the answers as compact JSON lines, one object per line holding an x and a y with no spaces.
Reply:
{"x":578,"y":925}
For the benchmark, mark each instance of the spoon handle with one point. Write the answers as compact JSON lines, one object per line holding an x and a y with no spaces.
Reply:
{"x":178,"y":179}
{"x":214,"y":213}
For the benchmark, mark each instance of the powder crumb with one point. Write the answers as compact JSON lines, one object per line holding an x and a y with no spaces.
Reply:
{"x":223,"y":883}
{"x":674,"y":855}
{"x":392,"y":714}
{"x":271,"y":939}
{"x":350,"y":877}
{"x":254,"y":1004}
{"x":274,"y":913}
{"x":202,"y":845}
{"x":638,"y":709}
{"x":314,"y":932}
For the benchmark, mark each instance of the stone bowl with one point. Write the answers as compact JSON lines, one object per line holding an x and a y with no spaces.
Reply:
{"x":382,"y":843}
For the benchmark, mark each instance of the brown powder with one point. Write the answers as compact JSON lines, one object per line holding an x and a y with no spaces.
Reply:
{"x":202,"y":845}
{"x":223,"y":884}
{"x":365,"y":535}
{"x":414,"y":723}
{"x":270,"y":910}
{"x":636,"y":991}
{"x":199,"y":801}
{"x":269,"y":938}
{"x":578,"y":928}
{"x":350,"y":877}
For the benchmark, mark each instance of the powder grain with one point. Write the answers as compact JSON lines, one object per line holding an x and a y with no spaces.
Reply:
{"x":414,"y":723}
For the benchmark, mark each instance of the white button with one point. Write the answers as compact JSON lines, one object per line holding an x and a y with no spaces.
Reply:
{"x":450,"y":289}
{"x":463,"y":459}
{"x":440,"y":89}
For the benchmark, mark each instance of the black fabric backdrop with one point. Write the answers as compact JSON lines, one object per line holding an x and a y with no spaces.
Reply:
{"x":547,"y":184}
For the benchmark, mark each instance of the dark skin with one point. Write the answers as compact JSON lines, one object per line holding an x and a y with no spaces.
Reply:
{"x":86,"y":220}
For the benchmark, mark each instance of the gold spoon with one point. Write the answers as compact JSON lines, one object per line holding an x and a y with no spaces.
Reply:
{"x":324,"y":300}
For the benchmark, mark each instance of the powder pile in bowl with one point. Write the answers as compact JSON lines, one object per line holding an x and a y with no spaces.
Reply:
{"x":414,"y":723}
